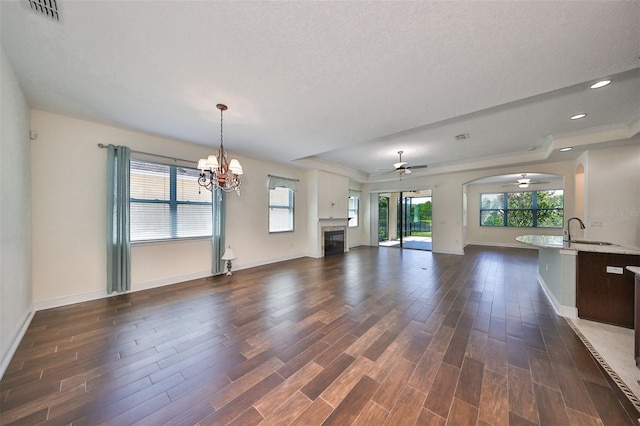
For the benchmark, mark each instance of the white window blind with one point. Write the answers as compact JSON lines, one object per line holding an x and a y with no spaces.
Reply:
{"x":354,"y":208}
{"x":166,"y":203}
{"x":281,"y":203}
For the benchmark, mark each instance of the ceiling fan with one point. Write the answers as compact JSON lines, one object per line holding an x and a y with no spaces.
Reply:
{"x":524,"y":182}
{"x":403,"y":168}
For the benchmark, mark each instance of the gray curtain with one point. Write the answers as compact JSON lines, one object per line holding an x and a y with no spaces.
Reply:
{"x":118,"y":241}
{"x":217,"y":234}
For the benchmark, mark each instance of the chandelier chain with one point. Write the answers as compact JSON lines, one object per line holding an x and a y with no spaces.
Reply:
{"x":221,"y":143}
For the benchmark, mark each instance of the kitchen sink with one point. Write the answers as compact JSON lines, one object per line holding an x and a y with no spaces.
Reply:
{"x":595,"y":243}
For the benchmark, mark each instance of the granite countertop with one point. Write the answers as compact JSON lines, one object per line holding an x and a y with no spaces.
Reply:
{"x":556,"y":242}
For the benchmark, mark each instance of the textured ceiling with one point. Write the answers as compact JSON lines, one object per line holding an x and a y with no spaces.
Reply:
{"x":340,"y":84}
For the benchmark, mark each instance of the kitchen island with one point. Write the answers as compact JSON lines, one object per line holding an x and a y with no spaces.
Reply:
{"x":590,"y":285}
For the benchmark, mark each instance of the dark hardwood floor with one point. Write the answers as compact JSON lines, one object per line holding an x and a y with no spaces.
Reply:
{"x":372,"y":337}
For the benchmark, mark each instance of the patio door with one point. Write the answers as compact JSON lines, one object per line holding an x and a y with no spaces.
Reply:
{"x":404,"y":219}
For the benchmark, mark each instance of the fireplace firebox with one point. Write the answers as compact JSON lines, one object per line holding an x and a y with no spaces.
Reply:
{"x":333,"y":242}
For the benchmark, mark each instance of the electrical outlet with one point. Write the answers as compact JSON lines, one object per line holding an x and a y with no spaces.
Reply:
{"x":615,"y":270}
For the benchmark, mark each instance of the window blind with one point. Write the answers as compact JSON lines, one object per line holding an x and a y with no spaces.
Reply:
{"x":167,"y":203}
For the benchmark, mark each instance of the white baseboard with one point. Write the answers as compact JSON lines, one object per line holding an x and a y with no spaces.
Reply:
{"x":101,"y":294}
{"x":17,"y":338}
{"x":561,"y":310}
{"x":458,"y":252}
{"x":248,"y":265}
{"x":499,"y":244}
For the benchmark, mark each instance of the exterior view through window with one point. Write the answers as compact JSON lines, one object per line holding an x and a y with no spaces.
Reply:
{"x":529,"y":209}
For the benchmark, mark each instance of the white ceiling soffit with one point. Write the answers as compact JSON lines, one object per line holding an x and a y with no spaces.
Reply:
{"x":346,"y":84}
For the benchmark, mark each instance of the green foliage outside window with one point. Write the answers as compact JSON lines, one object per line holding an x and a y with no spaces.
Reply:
{"x":538,"y":209}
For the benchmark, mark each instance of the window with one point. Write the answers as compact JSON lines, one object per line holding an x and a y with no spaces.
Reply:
{"x":353,"y":209}
{"x":281,"y":203}
{"x":534,"y":209}
{"x":166,"y":203}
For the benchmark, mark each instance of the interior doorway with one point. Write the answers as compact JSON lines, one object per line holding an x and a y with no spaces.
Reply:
{"x":405,"y":219}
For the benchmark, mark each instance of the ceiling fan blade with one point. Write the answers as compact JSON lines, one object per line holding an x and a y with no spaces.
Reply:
{"x":422,"y":166}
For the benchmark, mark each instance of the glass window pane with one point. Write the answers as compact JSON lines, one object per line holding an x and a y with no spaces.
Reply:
{"x":279,"y":197}
{"x":491,"y":201}
{"x":149,"y":181}
{"x":553,"y":199}
{"x":520,"y":218}
{"x":520,"y":200}
{"x":193,"y":220}
{"x":353,"y":211}
{"x":550,"y":218}
{"x":492,"y":218}
{"x":187,"y":188}
{"x":280,"y":220}
{"x":149,"y":221}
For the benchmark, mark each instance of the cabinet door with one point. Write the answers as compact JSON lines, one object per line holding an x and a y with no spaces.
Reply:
{"x":603,"y":296}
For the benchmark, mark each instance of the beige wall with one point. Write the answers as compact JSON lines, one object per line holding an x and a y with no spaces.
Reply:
{"x":69,"y":221}
{"x":612,"y":194}
{"x":15,"y":213}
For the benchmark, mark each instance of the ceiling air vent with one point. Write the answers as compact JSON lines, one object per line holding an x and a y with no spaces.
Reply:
{"x":48,"y":8}
{"x":462,"y":137}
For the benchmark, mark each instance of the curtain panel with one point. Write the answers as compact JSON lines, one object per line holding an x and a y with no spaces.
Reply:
{"x":218,"y":217}
{"x":118,"y":240}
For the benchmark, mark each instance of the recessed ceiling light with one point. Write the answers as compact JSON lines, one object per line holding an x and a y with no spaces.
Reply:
{"x":579,"y":116}
{"x":600,"y":84}
{"x":569,"y":148}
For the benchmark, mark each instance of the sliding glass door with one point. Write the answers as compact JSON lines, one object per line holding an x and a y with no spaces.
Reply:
{"x":405,"y":219}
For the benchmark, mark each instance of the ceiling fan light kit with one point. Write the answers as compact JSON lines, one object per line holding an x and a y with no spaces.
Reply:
{"x":524,"y":182}
{"x":403,"y":168}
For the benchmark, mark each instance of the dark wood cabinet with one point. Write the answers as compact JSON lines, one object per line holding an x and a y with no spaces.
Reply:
{"x":605,"y":296}
{"x":637,"y":325}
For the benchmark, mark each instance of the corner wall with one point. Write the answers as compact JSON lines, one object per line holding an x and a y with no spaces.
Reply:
{"x":15,"y":213}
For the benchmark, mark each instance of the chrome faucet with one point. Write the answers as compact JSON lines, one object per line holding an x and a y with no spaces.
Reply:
{"x":569,"y":227}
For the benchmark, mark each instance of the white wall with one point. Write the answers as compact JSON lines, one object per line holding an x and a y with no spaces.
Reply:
{"x":69,"y":221}
{"x":15,"y":213}
{"x":612,"y":198}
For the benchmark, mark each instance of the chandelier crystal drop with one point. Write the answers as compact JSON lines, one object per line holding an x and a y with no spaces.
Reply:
{"x":216,"y":171}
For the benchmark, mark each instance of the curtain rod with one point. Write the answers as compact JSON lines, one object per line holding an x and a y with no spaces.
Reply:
{"x":100,"y":145}
{"x":282,"y":177}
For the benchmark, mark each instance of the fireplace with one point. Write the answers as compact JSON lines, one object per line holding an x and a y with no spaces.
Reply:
{"x":333,"y":242}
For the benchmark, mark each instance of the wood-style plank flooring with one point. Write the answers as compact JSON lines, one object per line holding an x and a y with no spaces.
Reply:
{"x":372,"y":337}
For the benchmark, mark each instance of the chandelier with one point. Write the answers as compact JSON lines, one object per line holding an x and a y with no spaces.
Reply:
{"x":216,"y":171}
